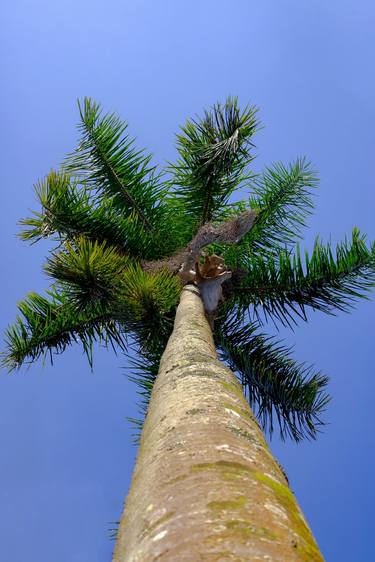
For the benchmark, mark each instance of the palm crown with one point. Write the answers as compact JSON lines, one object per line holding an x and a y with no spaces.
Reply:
{"x":124,"y":232}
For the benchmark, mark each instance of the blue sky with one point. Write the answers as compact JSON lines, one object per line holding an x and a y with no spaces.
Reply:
{"x":66,"y":451}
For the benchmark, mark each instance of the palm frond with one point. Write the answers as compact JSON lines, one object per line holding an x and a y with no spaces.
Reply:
{"x":275,"y":385}
{"x":108,"y":162}
{"x":150,"y":297}
{"x":69,"y":210}
{"x":283,"y":197}
{"x":50,"y":325}
{"x":214,"y":155}
{"x":89,"y":272}
{"x":283,"y":286}
{"x":98,"y":301}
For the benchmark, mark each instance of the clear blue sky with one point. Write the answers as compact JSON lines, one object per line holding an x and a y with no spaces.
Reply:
{"x":66,"y":452}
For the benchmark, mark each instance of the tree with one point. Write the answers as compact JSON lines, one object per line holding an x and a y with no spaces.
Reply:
{"x":173,"y":266}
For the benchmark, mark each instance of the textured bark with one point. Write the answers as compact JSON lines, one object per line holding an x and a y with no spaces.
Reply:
{"x":206,"y":487}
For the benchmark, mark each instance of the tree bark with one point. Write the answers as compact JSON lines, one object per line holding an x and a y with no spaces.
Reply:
{"x":206,"y":487}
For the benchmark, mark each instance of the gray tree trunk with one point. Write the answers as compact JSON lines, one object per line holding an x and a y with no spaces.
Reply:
{"x":206,"y":487}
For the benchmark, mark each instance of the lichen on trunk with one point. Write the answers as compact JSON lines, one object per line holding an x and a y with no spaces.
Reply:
{"x":205,"y":486}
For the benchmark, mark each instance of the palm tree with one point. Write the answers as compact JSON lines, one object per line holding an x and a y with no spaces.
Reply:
{"x":173,"y":266}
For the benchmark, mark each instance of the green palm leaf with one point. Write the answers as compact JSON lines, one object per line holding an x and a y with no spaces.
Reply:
{"x":214,"y":157}
{"x":50,"y":325}
{"x":69,"y":210}
{"x":89,"y":272}
{"x":275,"y":385}
{"x":283,"y":286}
{"x":283,"y":197}
{"x":108,"y":162}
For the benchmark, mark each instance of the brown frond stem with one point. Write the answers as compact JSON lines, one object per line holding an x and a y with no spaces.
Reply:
{"x":227,"y":232}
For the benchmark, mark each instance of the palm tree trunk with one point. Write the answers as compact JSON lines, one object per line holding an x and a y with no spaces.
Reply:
{"x":205,"y":486}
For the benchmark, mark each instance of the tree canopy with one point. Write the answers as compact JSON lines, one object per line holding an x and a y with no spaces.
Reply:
{"x":123,"y":229}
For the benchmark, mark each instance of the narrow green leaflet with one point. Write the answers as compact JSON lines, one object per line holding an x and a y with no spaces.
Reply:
{"x":145,"y":363}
